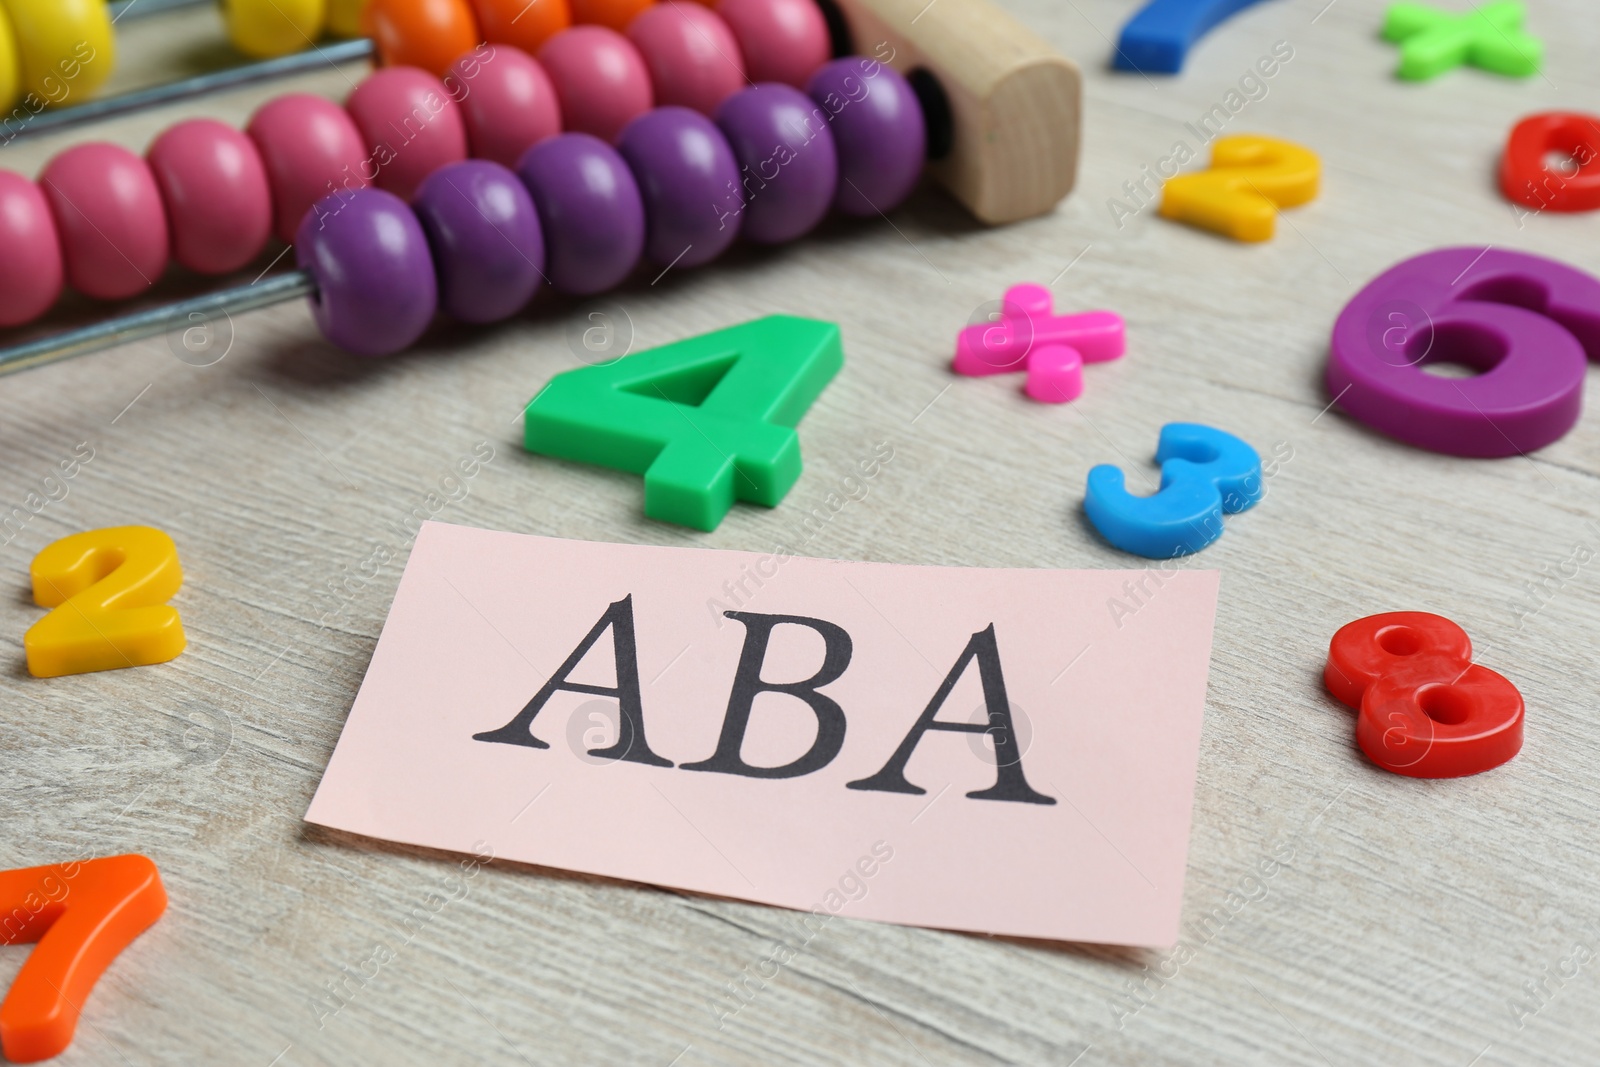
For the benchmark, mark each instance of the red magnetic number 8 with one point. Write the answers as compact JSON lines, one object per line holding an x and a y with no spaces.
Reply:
{"x":1424,"y":709}
{"x":1525,"y":178}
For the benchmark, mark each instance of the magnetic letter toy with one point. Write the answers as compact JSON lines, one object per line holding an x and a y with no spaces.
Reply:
{"x":82,"y":914}
{"x":706,"y":420}
{"x":1523,"y":322}
{"x":1250,"y":178}
{"x":1205,"y":474}
{"x":109,"y":590}
{"x":1525,"y":179}
{"x":1424,"y":709}
{"x":1051,"y":348}
{"x":1491,"y":37}
{"x":1158,"y":38}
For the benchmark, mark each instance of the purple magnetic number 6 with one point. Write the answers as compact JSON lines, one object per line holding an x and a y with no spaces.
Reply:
{"x":1524,"y":323}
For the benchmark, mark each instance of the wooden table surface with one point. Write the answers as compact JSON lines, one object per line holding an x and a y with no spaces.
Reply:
{"x":1403,"y":921}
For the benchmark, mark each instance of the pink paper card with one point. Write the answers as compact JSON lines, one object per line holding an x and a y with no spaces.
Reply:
{"x":1004,"y":751}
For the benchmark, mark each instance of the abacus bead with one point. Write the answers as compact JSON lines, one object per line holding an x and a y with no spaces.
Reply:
{"x":108,"y":214}
{"x":429,"y":34}
{"x":65,"y":48}
{"x":692,"y":55}
{"x":790,"y":167}
{"x":10,"y":64}
{"x":589,"y":209}
{"x":344,"y":17}
{"x":214,"y":188}
{"x":524,"y":24}
{"x":612,"y":14}
{"x":878,"y":130}
{"x":507,"y":103}
{"x":376,"y":288}
{"x":310,"y":148}
{"x":30,"y":270}
{"x":484,"y":232}
{"x":689,"y":182}
{"x":410,"y":124}
{"x":781,"y":40}
{"x":268,"y":28}
{"x":600,"y":79}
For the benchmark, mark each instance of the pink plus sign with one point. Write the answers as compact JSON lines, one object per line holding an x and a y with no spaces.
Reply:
{"x":1051,"y":348}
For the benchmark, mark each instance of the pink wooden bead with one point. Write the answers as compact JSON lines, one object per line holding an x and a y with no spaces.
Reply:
{"x":600,"y":78}
{"x":30,"y":269}
{"x":310,"y":148}
{"x":215,"y":190}
{"x":410,"y":124}
{"x":109,"y":215}
{"x":781,"y":40}
{"x":507,"y":100}
{"x":693,"y":57}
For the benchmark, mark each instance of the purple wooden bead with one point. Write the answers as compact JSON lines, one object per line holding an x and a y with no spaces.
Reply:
{"x":690,"y":183}
{"x":589,"y":208}
{"x":790,"y":167}
{"x":376,"y":290}
{"x":485,"y":236}
{"x":878,"y":129}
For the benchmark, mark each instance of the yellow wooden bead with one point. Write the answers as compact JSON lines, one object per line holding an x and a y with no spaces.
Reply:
{"x":65,"y":47}
{"x":344,"y":18}
{"x":269,"y":28}
{"x":109,"y":589}
{"x":1251,"y":177}
{"x":10,"y":74}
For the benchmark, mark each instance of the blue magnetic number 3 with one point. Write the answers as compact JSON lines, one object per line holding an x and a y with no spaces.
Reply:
{"x":1204,"y":473}
{"x":1156,"y":40}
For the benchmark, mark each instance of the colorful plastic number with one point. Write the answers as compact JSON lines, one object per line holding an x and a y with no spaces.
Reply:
{"x":1524,"y":177}
{"x":1523,"y":322}
{"x":1424,"y":708}
{"x":1157,"y":39}
{"x":82,"y":914}
{"x":1204,"y":474}
{"x":1251,"y":177}
{"x":1051,"y":348}
{"x":706,"y":421}
{"x":1433,"y":41}
{"x":109,"y":589}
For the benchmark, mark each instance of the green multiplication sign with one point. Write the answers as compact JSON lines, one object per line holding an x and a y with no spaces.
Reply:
{"x":707,"y":421}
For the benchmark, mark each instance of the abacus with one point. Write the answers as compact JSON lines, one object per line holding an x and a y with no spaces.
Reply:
{"x":990,"y":107}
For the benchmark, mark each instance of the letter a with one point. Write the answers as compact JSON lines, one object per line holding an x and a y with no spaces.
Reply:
{"x":1010,"y":783}
{"x":747,"y":684}
{"x":631,"y":744}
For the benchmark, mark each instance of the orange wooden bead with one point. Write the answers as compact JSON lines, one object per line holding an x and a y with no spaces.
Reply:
{"x":431,"y":34}
{"x":615,"y":14}
{"x":524,"y":24}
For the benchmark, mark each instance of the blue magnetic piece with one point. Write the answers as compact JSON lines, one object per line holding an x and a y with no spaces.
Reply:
{"x":1204,"y":474}
{"x":1158,"y":38}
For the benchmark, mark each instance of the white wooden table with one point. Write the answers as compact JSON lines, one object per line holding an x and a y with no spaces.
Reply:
{"x":1402,"y":920}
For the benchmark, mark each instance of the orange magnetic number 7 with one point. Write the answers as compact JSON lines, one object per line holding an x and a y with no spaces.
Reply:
{"x":109,"y":589}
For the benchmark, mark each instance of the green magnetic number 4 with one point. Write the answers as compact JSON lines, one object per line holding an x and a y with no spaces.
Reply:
{"x":706,"y":420}
{"x":1432,"y":41}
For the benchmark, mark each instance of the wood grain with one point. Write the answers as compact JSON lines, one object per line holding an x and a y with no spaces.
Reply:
{"x":1404,"y":918}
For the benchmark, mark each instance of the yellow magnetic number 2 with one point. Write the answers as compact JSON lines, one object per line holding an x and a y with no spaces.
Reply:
{"x":1250,"y":178}
{"x":109,"y":589}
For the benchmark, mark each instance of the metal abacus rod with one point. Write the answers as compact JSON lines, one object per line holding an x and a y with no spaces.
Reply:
{"x":218,"y":81}
{"x":138,"y":325}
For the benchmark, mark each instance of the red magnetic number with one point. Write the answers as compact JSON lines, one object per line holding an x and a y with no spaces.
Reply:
{"x":1424,"y":709}
{"x":1526,"y":179}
